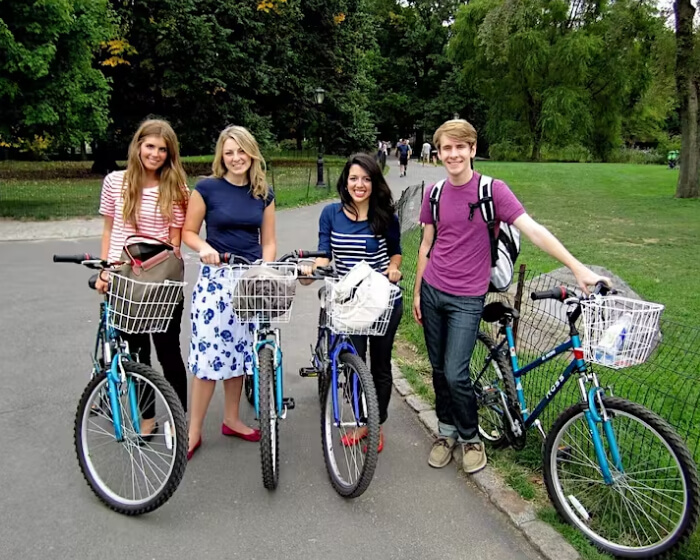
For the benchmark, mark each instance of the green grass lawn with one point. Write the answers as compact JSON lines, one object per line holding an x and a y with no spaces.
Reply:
{"x":622,"y":217}
{"x":51,"y":197}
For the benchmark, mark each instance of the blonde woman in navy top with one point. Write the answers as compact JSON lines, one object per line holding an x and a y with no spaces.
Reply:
{"x":363,"y":226}
{"x":239,"y":209}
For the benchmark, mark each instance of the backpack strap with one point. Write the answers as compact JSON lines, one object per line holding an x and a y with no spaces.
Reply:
{"x":435,"y":193}
{"x":488,"y":213}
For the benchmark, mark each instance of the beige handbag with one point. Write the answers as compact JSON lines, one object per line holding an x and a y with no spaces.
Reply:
{"x":148,"y":285}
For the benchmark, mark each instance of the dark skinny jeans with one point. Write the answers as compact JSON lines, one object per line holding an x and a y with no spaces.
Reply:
{"x":450,"y":327}
{"x":167,"y":346}
{"x":380,"y":358}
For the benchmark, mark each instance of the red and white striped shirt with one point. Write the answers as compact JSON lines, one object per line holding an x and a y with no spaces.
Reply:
{"x":150,"y":220}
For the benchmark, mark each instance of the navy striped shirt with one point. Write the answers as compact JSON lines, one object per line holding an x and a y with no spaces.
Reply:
{"x":350,"y":242}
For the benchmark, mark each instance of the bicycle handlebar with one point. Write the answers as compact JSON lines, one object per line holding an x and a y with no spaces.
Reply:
{"x":77,"y":259}
{"x":296,"y":255}
{"x":561,"y":293}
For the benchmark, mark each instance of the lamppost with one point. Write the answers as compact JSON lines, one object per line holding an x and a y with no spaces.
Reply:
{"x":319,"y":94}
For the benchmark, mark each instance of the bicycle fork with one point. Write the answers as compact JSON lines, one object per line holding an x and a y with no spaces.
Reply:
{"x":116,"y":376}
{"x":282,"y":403}
{"x":595,"y":413}
{"x":358,"y":396}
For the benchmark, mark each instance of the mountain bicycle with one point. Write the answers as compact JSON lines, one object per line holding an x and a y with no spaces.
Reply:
{"x":262,"y":294}
{"x":612,"y":468}
{"x":131,"y":472}
{"x":346,"y":389}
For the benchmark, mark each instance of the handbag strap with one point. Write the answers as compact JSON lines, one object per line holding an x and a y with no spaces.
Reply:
{"x":149,"y":237}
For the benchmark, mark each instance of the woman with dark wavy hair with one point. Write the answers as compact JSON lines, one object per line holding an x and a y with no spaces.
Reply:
{"x":363,"y":226}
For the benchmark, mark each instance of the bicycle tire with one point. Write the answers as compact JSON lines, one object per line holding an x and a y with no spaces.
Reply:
{"x":87,"y":416}
{"x":492,"y":420}
{"x":574,"y":505}
{"x":269,"y":423}
{"x":249,"y":389}
{"x":368,"y":453}
{"x":321,"y":351}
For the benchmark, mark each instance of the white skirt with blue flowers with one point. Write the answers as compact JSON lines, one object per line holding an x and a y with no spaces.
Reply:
{"x":221,"y":347}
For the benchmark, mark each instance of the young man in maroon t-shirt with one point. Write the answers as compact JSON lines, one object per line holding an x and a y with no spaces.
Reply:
{"x":451,"y":287}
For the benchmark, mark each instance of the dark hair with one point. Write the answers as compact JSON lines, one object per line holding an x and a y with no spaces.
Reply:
{"x":381,"y":201}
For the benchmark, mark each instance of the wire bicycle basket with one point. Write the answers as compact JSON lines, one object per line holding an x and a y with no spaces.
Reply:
{"x":263,"y":292}
{"x":142,"y":307}
{"x":618,"y":331}
{"x":346,"y":314}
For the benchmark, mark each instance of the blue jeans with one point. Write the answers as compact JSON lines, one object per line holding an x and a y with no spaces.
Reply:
{"x":450,"y":327}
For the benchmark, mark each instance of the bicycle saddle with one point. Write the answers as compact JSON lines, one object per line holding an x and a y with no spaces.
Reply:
{"x":495,"y":311}
{"x":92,"y":281}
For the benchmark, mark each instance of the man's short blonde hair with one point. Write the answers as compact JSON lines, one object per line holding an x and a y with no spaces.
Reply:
{"x":459,"y":129}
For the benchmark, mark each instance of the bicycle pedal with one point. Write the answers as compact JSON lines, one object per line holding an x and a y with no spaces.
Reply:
{"x":308,"y":372}
{"x":491,"y":396}
{"x":288,"y":403}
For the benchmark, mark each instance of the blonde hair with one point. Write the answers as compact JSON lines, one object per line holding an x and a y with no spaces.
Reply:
{"x":172,"y":189}
{"x":256,"y":173}
{"x":459,"y":129}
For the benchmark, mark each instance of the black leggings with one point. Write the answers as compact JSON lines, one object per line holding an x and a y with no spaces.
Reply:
{"x":170,"y":357}
{"x":380,"y":358}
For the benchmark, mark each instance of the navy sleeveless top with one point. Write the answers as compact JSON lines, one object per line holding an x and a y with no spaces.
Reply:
{"x":233,"y":217}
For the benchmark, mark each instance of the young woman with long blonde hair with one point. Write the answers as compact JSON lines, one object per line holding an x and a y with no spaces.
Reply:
{"x":149,"y":198}
{"x":239,"y":209}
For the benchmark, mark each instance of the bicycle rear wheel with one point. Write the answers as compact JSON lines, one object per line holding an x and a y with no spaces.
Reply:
{"x":350,"y":467}
{"x":248,"y":389}
{"x":269,"y":424}
{"x":652,"y":503}
{"x":139,"y":473}
{"x":486,"y":372}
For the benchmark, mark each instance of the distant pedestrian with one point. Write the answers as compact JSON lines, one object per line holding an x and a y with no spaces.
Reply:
{"x":425,"y":153}
{"x":404,"y":151}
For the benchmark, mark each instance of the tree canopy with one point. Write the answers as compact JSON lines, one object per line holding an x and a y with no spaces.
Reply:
{"x":536,"y":77}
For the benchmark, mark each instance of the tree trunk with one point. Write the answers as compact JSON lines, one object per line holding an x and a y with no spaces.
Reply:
{"x":105,"y":159}
{"x":687,"y":86}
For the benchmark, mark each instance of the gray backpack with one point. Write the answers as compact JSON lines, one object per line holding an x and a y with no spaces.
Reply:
{"x":505,"y":247}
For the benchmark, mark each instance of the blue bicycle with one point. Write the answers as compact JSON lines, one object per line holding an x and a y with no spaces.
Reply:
{"x":262,"y":294}
{"x":613,"y":469}
{"x":133,"y":473}
{"x":349,"y":408}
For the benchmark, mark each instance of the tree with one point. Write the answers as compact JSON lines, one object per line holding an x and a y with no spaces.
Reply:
{"x":416,"y":87}
{"x":688,"y":85}
{"x":48,"y":84}
{"x":551,"y":72}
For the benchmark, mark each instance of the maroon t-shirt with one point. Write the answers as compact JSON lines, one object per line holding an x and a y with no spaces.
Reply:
{"x":460,"y":262}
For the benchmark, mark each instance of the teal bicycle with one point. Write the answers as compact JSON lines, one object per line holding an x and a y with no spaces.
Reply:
{"x":131,"y":472}
{"x":262,"y":295}
{"x":613,"y":469}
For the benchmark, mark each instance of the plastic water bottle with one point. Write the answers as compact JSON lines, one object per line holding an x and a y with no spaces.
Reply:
{"x":613,"y":341}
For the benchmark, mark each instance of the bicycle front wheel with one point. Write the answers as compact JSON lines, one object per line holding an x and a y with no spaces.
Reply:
{"x":269,"y":425}
{"x":350,"y":456}
{"x":650,"y":506}
{"x":138,"y":473}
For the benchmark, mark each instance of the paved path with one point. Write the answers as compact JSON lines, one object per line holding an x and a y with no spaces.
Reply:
{"x":221,"y":510}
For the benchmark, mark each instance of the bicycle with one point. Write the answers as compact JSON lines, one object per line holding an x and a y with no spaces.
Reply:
{"x":632,"y":489}
{"x":262,"y":294}
{"x":346,"y":389}
{"x":131,"y":472}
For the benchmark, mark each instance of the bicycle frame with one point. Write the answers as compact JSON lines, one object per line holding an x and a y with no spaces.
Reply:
{"x":589,"y":396}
